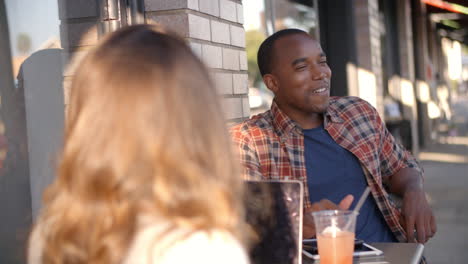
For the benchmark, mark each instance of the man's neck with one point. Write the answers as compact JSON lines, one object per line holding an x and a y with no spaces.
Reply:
{"x":304,"y":120}
{"x":309,"y":121}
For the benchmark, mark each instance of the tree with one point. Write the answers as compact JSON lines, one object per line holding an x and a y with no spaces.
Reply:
{"x":253,"y":40}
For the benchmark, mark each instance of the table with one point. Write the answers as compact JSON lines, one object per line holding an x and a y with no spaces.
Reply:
{"x":393,"y":253}
{"x":410,"y":253}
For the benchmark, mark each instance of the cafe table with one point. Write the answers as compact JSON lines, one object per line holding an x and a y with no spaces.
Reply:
{"x":393,"y":253}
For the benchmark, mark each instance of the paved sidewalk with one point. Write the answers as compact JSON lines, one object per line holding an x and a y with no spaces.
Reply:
{"x":446,"y":167}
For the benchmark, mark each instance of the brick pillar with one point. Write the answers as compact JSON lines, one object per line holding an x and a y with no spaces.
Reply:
{"x":423,"y":81}
{"x":406,"y":84}
{"x":214,"y":30}
{"x":405,"y":37}
{"x":369,"y":56}
{"x":78,"y":33}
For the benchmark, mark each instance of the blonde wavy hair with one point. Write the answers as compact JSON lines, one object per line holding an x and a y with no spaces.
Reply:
{"x":144,"y":134}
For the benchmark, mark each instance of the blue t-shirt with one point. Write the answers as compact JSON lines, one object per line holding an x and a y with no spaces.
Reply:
{"x":332,"y":173}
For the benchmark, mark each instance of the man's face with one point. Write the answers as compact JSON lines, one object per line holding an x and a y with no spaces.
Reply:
{"x":300,"y":76}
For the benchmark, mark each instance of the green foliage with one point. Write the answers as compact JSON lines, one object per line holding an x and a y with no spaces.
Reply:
{"x":23,"y":43}
{"x":253,"y":40}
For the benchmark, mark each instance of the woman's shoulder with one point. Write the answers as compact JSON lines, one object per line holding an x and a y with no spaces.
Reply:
{"x":155,"y":244}
{"x":208,"y":247}
{"x":35,"y":244}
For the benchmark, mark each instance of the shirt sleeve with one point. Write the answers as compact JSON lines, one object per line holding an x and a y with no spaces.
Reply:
{"x":393,"y":156}
{"x":246,"y":153}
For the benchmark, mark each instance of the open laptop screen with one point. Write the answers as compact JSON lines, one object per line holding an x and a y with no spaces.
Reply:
{"x":274,"y":214}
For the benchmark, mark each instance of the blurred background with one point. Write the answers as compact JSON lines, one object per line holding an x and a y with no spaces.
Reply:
{"x":408,"y":58}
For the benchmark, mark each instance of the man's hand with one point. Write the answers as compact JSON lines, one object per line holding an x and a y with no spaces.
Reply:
{"x":417,"y":215}
{"x":308,"y":229}
{"x":416,"y":212}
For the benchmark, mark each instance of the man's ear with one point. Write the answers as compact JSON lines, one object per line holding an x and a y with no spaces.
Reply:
{"x":271,"y":82}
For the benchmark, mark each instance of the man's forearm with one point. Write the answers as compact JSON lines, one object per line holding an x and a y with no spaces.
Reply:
{"x":406,"y":179}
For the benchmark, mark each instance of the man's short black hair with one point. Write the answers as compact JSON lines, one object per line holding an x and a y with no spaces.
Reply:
{"x":265,"y":52}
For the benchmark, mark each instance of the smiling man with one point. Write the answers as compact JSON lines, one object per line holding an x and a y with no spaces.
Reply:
{"x":337,"y":146}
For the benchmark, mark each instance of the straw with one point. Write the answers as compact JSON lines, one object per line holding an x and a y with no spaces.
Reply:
{"x":359,"y":204}
{"x":362,"y":199}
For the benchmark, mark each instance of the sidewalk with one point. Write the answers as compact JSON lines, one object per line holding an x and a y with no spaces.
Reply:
{"x":446,"y":169}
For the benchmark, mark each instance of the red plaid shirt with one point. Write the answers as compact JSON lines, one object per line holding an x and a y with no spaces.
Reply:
{"x":271,"y":146}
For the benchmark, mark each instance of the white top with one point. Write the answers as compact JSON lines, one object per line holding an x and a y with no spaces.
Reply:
{"x":199,"y":247}
{"x":175,"y":247}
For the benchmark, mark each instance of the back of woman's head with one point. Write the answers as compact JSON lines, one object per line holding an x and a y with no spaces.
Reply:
{"x":144,"y":135}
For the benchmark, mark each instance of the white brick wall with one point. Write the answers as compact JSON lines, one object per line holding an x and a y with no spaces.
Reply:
{"x":240,"y":14}
{"x":196,"y":48}
{"x":240,"y":83}
{"x":210,"y":7}
{"x":237,"y":36}
{"x":78,"y":8}
{"x":79,"y":34}
{"x":220,"y":32}
{"x":159,"y":5}
{"x":243,"y":60}
{"x":223,"y":82}
{"x":175,"y":22}
{"x":193,"y":4}
{"x":212,"y":56}
{"x":228,"y":10}
{"x":231,"y":59}
{"x":199,"y":27}
{"x":233,"y":108}
{"x":215,"y":34}
{"x":245,"y":107}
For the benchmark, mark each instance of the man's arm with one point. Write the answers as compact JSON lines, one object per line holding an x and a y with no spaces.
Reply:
{"x":416,"y":212}
{"x":404,"y":177}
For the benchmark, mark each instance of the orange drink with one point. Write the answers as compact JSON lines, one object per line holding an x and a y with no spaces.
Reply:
{"x":336,"y":249}
{"x":335,"y":235}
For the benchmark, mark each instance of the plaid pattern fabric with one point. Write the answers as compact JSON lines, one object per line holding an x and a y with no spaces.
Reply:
{"x":271,"y":146}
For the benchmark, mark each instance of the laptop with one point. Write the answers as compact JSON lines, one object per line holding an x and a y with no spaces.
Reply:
{"x":274,"y":216}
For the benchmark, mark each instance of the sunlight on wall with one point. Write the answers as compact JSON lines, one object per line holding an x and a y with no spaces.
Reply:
{"x":351,"y":74}
{"x":402,"y":89}
{"x":394,"y":87}
{"x":367,"y":86}
{"x":423,"y":91}
{"x":453,"y":53}
{"x":443,"y":95}
{"x":433,"y":110}
{"x":407,"y":92}
{"x":362,"y":83}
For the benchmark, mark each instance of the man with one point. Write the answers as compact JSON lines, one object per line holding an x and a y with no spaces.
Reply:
{"x":337,"y":146}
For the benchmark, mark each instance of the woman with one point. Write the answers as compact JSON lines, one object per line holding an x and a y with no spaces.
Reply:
{"x":146,"y":174}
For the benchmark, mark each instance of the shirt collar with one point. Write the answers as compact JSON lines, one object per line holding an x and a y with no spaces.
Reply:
{"x":285,"y":125}
{"x":281,"y":122}
{"x":332,"y":113}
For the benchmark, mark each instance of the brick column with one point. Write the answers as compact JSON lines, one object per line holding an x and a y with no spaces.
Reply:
{"x":405,"y":37}
{"x":405,"y":86}
{"x":78,"y":33}
{"x":423,"y":81}
{"x":214,"y":30}
{"x":368,"y":52}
